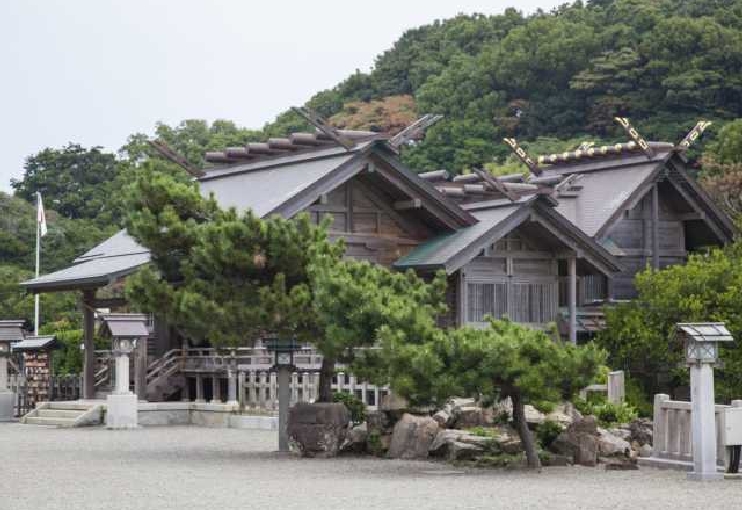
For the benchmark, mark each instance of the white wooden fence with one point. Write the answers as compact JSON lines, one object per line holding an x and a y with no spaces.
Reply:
{"x":672,"y":437}
{"x":259,"y":389}
{"x":614,"y":388}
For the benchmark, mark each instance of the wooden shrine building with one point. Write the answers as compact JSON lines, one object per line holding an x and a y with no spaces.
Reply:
{"x":533,"y":249}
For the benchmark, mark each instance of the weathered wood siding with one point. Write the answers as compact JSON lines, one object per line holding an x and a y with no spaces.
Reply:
{"x":373,"y":230}
{"x":509,"y":279}
{"x":632,"y":235}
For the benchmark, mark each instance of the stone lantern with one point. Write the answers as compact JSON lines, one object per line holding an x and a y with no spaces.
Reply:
{"x":283,"y":355}
{"x":701,"y":341}
{"x":11,"y":332}
{"x":126,"y":330}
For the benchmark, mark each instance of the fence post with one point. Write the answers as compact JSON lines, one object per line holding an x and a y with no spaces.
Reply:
{"x":659,"y":424}
{"x":241,"y":389}
{"x":616,"y":390}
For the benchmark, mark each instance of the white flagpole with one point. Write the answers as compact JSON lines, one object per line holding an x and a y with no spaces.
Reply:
{"x":38,"y":264}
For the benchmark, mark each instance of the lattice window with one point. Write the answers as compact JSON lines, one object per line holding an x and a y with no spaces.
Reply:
{"x":486,"y":299}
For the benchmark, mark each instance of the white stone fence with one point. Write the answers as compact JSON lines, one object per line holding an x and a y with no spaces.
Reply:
{"x":259,"y":389}
{"x":672,"y":437}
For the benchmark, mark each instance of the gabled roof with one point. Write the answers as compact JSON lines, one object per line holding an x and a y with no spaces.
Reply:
{"x":288,"y":185}
{"x":37,"y":343}
{"x":496,"y":218}
{"x":115,"y":257}
{"x":282,"y":185}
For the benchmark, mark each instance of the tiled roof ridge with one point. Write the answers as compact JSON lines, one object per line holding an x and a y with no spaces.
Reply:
{"x":274,"y":148}
{"x":470,"y":188}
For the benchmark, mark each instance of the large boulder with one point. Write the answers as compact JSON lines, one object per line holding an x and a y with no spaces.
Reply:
{"x":610,"y":444}
{"x":464,"y":451}
{"x":412,"y":437}
{"x":443,"y":442}
{"x":579,"y":442}
{"x":356,"y":439}
{"x":641,"y":431}
{"x":318,"y":430}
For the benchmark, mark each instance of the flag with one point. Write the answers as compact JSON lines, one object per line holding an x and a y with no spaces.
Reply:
{"x":40,"y":216}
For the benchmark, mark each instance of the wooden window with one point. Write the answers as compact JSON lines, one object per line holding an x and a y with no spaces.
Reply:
{"x":534,"y":303}
{"x":486,"y":299}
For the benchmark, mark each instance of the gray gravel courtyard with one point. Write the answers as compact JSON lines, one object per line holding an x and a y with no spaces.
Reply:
{"x":221,"y":469}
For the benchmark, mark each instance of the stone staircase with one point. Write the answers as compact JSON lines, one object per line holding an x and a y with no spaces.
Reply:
{"x":66,"y":414}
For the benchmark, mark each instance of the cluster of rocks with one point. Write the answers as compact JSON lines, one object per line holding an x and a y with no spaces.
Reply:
{"x":587,"y":444}
{"x":322,"y":430}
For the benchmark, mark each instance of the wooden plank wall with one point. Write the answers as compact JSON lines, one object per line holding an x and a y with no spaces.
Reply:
{"x":373,"y":230}
{"x":633,"y":235}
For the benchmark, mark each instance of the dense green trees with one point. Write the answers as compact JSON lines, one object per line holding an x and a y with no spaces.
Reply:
{"x":228,"y":278}
{"x":639,"y":335}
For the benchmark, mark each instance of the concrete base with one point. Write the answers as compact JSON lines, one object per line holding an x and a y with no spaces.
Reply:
{"x":121,"y":412}
{"x":7,"y":402}
{"x":705,"y":477}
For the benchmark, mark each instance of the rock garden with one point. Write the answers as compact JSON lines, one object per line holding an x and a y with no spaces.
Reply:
{"x":465,"y":432}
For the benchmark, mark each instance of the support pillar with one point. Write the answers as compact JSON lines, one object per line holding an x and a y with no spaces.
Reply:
{"x":7,"y":398}
{"x":655,"y":228}
{"x":572,"y":263}
{"x":199,"y":388}
{"x":232,"y":387}
{"x":703,"y":425}
{"x":284,"y":395}
{"x":140,"y":369}
{"x":216,"y":390}
{"x":88,"y":296}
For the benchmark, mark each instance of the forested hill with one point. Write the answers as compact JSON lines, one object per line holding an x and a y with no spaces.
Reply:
{"x":663,"y":63}
{"x":549,"y":79}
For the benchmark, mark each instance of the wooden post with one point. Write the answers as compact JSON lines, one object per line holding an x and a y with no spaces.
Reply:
{"x":655,"y":228}
{"x":140,"y":369}
{"x":199,"y":388}
{"x":88,"y":296}
{"x":572,"y":263}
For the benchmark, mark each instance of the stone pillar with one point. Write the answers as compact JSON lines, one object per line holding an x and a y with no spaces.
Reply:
{"x":241,"y":389}
{"x":232,"y":389}
{"x":186,"y":393}
{"x":572,"y":263}
{"x":88,"y":297}
{"x":284,"y":395}
{"x":660,"y":424}
{"x":121,"y":405}
{"x":199,"y":388}
{"x":703,"y":426}
{"x":615,"y":387}
{"x":7,"y":398}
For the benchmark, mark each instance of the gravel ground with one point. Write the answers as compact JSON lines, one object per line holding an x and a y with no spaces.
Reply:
{"x":192,"y":468}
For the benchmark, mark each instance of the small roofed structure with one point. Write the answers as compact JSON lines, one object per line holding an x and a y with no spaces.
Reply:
{"x":129,"y":333}
{"x":124,"y":325}
{"x":36,"y":364}
{"x":11,"y":332}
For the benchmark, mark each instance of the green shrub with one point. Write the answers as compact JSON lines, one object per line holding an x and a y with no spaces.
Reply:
{"x":547,"y":432}
{"x":354,"y":404}
{"x":607,"y":413}
{"x":545,"y":406}
{"x":637,"y":398}
{"x":483,"y":432}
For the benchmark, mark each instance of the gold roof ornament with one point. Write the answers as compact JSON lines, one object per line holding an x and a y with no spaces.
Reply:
{"x":634,"y":134}
{"x":694,"y":134}
{"x":523,"y":156}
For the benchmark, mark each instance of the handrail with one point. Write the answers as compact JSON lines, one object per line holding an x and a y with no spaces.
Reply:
{"x":101,"y":377}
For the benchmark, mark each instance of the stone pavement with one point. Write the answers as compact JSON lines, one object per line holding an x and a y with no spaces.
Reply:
{"x":193,"y":468}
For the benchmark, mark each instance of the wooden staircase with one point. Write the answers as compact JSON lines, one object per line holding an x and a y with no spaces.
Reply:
{"x":66,"y":414}
{"x":165,"y":377}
